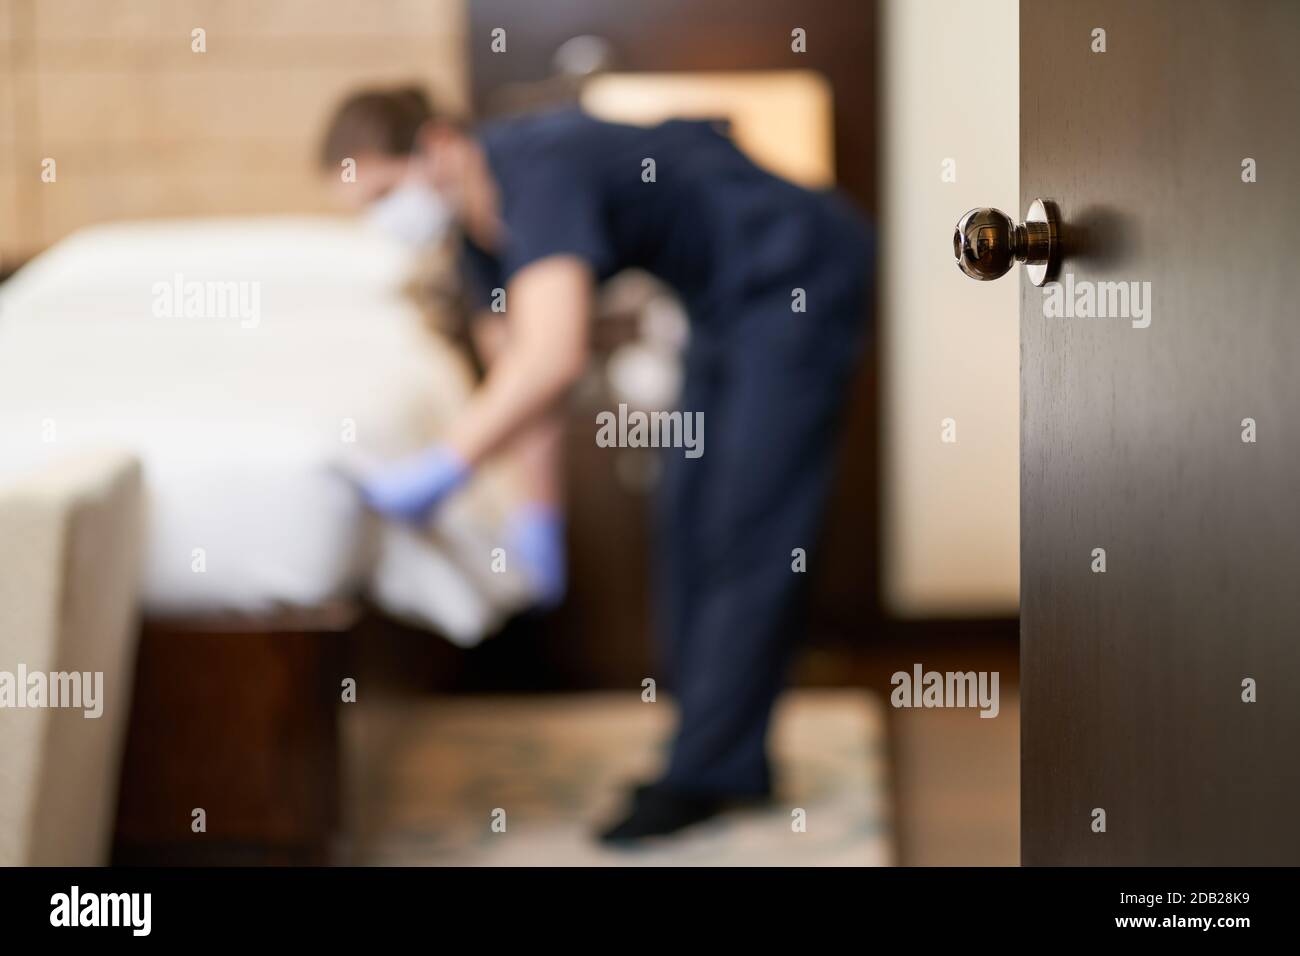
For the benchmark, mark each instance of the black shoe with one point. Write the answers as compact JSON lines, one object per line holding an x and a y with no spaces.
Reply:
{"x":738,"y":800}
{"x":659,"y":812}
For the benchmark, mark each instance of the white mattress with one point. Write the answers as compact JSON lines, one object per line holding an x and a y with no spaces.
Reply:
{"x":238,"y":418}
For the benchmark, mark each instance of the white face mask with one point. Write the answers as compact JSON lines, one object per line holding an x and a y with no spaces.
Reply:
{"x":412,"y":213}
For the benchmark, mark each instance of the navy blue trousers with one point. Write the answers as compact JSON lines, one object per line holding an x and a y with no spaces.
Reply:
{"x":772,"y":387}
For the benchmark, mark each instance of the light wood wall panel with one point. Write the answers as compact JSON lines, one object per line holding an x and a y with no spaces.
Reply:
{"x":9,"y":234}
{"x":141,"y":126}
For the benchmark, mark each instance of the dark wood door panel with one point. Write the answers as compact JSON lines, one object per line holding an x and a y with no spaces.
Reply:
{"x":1131,"y":437}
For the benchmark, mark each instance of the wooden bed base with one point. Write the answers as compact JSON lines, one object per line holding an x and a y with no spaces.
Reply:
{"x":237,"y":718}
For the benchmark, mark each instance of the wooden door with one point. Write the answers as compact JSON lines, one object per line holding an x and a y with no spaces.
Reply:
{"x":1173,"y":446}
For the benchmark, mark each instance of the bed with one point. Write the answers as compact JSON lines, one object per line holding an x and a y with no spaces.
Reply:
{"x":239,"y":362}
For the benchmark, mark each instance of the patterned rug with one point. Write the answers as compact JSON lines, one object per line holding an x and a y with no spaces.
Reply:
{"x":428,"y":778}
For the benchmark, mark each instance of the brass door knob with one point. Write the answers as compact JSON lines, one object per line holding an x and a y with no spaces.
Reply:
{"x":987,"y":242}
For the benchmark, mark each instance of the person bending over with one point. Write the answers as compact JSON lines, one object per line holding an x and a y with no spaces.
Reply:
{"x":775,"y":280}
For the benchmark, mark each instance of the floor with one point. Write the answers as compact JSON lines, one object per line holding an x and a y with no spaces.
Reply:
{"x":522,"y":780}
{"x":957,"y":785}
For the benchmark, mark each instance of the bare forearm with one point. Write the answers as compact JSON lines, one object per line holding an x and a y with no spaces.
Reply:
{"x":519,"y":390}
{"x":541,"y":356}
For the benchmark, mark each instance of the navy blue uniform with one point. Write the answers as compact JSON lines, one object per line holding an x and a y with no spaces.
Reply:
{"x":735,"y":243}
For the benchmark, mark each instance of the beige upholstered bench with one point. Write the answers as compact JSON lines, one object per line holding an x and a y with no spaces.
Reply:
{"x":70,"y":553}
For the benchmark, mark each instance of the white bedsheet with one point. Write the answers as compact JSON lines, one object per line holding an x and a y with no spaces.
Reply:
{"x":238,"y":417}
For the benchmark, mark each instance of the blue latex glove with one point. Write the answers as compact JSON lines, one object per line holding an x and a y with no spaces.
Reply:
{"x":411,"y":488}
{"x":535,"y":539}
